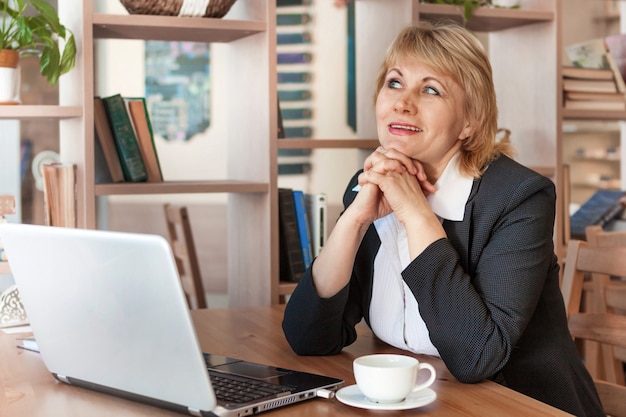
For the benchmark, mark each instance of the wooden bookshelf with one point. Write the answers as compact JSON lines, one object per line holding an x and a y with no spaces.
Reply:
{"x":249,"y":33}
{"x":33,"y":112}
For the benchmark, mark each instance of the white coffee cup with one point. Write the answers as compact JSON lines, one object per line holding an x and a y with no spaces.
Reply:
{"x":390,"y":378}
{"x":9,"y":85}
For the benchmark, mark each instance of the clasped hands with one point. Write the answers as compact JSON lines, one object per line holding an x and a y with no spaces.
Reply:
{"x":392,"y":182}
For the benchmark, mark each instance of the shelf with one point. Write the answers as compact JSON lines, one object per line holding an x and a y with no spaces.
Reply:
{"x":169,"y":28}
{"x":595,"y":159}
{"x":486,"y":19}
{"x":569,"y":114}
{"x":29,"y":112}
{"x":328,"y":143}
{"x":593,"y":186}
{"x":545,"y":171}
{"x":286,"y":288}
{"x":181,"y":187}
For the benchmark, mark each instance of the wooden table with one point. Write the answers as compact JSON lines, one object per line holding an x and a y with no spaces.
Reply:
{"x":28,"y":390}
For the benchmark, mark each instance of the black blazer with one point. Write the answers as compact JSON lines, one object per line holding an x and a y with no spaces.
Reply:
{"x":488,"y":293}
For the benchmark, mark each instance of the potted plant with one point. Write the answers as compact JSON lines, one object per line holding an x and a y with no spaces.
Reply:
{"x":32,"y":27}
{"x":470,"y":5}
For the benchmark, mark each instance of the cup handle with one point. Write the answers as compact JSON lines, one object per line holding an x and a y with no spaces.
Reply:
{"x":430,"y":380}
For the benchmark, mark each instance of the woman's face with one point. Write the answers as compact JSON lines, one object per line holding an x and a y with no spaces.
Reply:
{"x":421,"y":113}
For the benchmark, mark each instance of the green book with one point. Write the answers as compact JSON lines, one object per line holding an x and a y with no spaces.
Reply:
{"x":125,"y":139}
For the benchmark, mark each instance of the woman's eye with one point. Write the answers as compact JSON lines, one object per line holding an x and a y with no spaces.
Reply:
{"x":430,"y":90}
{"x":393,"y":84}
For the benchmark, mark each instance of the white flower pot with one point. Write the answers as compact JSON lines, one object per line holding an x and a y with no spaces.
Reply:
{"x":505,"y":3}
{"x":9,"y":77}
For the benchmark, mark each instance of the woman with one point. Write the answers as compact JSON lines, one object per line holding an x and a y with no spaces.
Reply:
{"x":445,"y":245}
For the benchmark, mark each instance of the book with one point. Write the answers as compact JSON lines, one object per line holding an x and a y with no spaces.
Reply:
{"x":291,"y":260}
{"x":595,"y":105}
{"x":102,"y":175}
{"x":602,"y":207}
{"x":291,"y":19}
{"x":294,"y":58}
{"x":297,"y":114}
{"x":304,"y":231}
{"x":298,"y":132}
{"x":595,"y":53}
{"x":105,"y":140}
{"x":587,"y":73}
{"x":143,"y":131}
{"x":580,"y":95}
{"x":293,"y":38}
{"x":294,"y":77}
{"x":589,"y":86}
{"x":285,"y":3}
{"x":125,"y":140}
{"x":294,"y":95}
{"x":297,"y":168}
{"x":59,"y":191}
{"x":616,"y":45}
{"x":316,"y":208}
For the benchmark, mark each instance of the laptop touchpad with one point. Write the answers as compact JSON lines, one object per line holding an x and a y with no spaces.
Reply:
{"x":252,"y":370}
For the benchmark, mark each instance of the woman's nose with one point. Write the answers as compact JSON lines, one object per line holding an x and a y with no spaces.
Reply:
{"x":405,"y":104}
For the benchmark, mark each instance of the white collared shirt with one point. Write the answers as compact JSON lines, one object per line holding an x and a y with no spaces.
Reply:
{"x":394,"y":313}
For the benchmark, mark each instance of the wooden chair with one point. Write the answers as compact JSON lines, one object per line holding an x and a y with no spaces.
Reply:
{"x":607,"y":329}
{"x":611,"y":293}
{"x":598,"y":264}
{"x":181,"y":240}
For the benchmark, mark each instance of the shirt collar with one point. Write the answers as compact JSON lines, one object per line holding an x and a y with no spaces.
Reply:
{"x":453,"y":190}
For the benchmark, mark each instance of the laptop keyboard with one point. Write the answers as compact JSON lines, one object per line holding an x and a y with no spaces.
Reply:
{"x":234,"y":389}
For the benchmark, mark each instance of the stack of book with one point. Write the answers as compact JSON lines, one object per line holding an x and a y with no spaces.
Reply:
{"x":59,"y":194}
{"x":124,"y":147}
{"x":302,"y":231}
{"x":594,"y":80}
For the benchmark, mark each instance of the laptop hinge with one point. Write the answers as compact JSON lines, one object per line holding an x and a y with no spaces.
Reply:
{"x":194,"y":412}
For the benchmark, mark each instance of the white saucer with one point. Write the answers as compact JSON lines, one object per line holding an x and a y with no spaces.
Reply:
{"x":352,"y":395}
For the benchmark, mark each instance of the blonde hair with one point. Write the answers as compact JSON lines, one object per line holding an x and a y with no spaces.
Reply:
{"x":452,"y":50}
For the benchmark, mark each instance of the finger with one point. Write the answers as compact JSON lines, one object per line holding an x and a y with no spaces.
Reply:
{"x":371,"y":159}
{"x":401,"y":158}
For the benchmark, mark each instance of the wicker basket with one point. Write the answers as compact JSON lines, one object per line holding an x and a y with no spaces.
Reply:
{"x":214,"y":8}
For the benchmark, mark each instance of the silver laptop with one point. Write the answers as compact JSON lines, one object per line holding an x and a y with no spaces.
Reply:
{"x":108,"y":313}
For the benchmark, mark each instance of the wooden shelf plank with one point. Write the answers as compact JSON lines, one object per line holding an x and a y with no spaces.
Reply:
{"x":181,"y":187}
{"x":34,"y":112}
{"x":286,"y":288}
{"x":172,"y":28}
{"x":327,"y":143}
{"x":569,"y":114}
{"x":485,"y":19}
{"x":545,"y":171}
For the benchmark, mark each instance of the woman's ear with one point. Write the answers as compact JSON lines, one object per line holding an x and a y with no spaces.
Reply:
{"x":467,"y":131}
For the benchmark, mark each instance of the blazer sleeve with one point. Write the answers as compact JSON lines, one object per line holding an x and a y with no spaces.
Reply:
{"x":476,"y":317}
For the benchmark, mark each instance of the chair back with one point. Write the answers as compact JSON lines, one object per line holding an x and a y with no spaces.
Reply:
{"x":614,"y":300}
{"x":587,"y":277}
{"x":184,"y":249}
{"x":583,"y":260}
{"x":607,"y":329}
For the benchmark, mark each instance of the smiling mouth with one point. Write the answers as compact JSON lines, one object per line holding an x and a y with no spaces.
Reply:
{"x":405,"y":127}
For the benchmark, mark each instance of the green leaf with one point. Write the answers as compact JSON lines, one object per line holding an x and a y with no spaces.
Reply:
{"x":33,"y":27}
